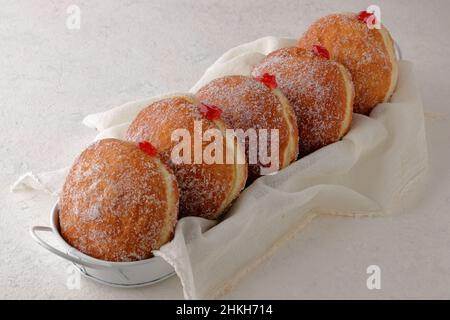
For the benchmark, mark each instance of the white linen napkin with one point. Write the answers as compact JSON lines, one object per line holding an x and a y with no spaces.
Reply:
{"x":363,"y":174}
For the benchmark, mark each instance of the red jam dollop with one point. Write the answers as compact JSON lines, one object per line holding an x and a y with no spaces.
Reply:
{"x":148,"y":148}
{"x":210,"y":112}
{"x":321,"y":51}
{"x":269,"y":80}
{"x":364,"y":15}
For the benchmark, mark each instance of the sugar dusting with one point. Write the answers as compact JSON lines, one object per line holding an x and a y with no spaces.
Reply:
{"x":360,"y":49}
{"x":316,"y":89}
{"x":247,"y":104}
{"x":204,"y":188}
{"x":112,"y":206}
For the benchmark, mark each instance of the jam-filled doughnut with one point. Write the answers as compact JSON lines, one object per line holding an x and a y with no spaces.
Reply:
{"x":320,"y":91}
{"x":367,"y":53}
{"x":251,"y":104}
{"x":118,"y":202}
{"x":206,"y":189}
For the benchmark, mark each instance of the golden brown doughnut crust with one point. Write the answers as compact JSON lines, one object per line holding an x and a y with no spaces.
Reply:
{"x":319,"y":90}
{"x":206,"y":190}
{"x":118,"y":203}
{"x":248,"y":104}
{"x":367,"y":53}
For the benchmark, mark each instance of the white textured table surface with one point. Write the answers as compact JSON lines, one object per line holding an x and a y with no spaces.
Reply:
{"x":51,"y":77}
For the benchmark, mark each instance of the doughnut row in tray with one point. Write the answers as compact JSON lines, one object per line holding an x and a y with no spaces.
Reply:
{"x":191,"y":155}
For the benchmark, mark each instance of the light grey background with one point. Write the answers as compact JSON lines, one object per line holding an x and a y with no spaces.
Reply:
{"x":51,"y":77}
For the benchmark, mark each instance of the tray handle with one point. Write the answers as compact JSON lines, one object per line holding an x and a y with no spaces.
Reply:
{"x":59,"y":253}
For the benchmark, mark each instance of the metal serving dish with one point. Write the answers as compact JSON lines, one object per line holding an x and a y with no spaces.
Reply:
{"x":118,"y":274}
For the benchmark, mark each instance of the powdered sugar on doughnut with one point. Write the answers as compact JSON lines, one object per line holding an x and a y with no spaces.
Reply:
{"x":206,"y":190}
{"x":317,"y":91}
{"x":367,"y":53}
{"x":114,"y":203}
{"x":248,"y":104}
